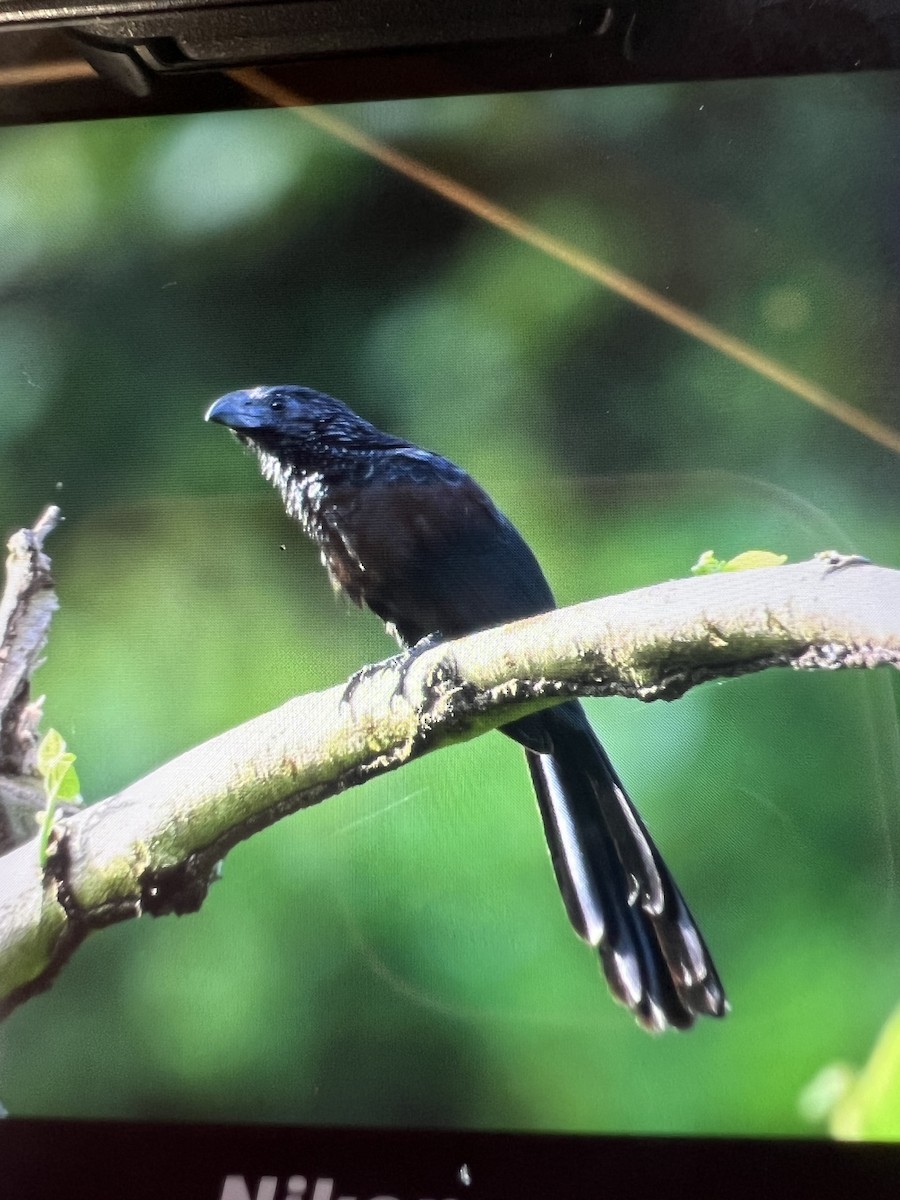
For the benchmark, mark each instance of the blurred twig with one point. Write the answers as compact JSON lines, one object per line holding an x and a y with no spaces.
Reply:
{"x":26,"y":609}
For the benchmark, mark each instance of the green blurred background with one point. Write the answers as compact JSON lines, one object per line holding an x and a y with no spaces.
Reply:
{"x":399,"y":954}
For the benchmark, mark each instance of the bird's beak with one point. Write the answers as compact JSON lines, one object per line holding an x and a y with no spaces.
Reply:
{"x":236,"y":410}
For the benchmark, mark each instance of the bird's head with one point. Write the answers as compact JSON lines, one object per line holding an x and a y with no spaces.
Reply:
{"x":297,"y":427}
{"x":281,"y":417}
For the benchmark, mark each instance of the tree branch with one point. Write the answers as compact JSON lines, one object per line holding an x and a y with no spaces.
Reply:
{"x":26,"y":609}
{"x":153,"y":848}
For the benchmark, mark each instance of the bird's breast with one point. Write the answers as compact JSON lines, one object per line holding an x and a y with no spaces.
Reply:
{"x":334,"y":516}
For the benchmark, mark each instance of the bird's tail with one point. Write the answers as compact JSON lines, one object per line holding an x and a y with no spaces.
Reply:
{"x":619,"y":893}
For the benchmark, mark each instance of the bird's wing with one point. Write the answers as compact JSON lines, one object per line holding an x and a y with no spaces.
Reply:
{"x":426,"y":549}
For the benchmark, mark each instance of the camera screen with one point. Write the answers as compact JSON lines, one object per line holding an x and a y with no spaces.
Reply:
{"x":650,"y":322}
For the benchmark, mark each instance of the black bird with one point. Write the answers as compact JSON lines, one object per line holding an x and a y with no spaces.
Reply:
{"x":413,"y":537}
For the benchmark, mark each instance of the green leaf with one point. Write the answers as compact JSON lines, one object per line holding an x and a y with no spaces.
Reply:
{"x":870,"y":1108}
{"x":707,"y":564}
{"x":860,"y":1105}
{"x":51,"y":747}
{"x":56,"y":764}
{"x":69,"y":787}
{"x":749,"y":560}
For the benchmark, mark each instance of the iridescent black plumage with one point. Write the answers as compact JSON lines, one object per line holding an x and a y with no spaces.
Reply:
{"x":413,"y":537}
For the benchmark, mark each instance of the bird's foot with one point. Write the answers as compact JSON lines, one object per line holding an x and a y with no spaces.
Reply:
{"x":402,"y":663}
{"x":369,"y":671}
{"x":413,"y":655}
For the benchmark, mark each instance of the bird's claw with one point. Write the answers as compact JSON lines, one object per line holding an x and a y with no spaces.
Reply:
{"x":369,"y":671}
{"x":403,"y":664}
{"x":412,"y":656}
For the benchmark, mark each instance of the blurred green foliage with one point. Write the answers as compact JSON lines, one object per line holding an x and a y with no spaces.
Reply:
{"x":861,"y":1104}
{"x":399,"y":954}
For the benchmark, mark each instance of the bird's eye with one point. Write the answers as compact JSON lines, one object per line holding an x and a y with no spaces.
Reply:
{"x":276,"y":405}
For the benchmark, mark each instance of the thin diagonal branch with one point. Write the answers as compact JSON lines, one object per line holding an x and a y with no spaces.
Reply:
{"x":608,"y":276}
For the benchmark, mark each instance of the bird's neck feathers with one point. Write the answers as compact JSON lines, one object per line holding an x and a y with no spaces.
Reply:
{"x":333,"y":441}
{"x":303,"y":465}
{"x":303,"y":492}
{"x":304,"y":474}
{"x":293,"y":482}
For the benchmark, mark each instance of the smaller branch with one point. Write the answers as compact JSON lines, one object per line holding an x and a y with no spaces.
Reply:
{"x":26,"y":609}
